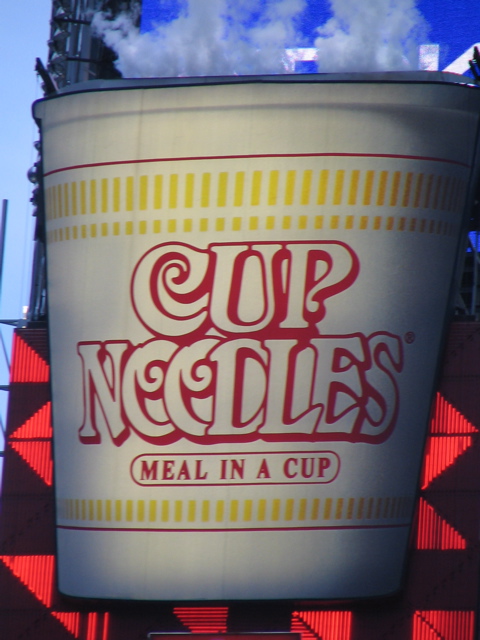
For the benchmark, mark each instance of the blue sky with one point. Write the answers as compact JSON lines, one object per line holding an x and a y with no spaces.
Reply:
{"x":24,"y":30}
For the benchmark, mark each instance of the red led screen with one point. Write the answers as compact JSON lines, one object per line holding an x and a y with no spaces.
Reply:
{"x":443,"y":567}
{"x":222,"y":636}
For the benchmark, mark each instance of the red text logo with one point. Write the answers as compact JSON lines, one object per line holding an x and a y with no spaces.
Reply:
{"x":237,"y":354}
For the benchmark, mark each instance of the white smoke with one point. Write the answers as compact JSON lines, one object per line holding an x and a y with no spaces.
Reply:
{"x":210,"y":37}
{"x":373,"y":35}
{"x":242,"y":37}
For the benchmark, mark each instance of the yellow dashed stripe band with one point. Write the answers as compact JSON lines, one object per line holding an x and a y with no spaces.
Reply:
{"x":260,"y":512}
{"x":256,"y":188}
{"x":252,"y":223}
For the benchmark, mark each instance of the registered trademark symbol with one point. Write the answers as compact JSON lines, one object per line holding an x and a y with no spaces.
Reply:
{"x":409,"y":337}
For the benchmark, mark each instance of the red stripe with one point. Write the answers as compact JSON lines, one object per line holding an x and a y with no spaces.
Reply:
{"x":260,"y":155}
{"x":332,"y":528}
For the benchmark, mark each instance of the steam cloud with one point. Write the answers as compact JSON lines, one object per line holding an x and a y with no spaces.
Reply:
{"x":232,"y":37}
{"x":210,"y":37}
{"x":374,"y":35}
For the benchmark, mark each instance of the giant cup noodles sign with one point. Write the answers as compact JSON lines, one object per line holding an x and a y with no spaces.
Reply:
{"x":247,"y":292}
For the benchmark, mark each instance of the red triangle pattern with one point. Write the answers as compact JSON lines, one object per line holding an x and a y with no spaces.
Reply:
{"x":32,"y":441}
{"x":91,"y":626}
{"x":433,"y":532}
{"x":106,"y":621}
{"x":204,"y":619}
{"x":96,"y":626}
{"x":443,"y":625}
{"x":27,"y":365}
{"x":442,"y":452}
{"x":35,"y":572}
{"x":37,"y":426}
{"x":38,"y":456}
{"x":70,"y":620}
{"x":447,"y":420}
{"x":322,"y":625}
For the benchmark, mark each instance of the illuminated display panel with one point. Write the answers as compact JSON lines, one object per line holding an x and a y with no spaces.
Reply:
{"x":213,"y":635}
{"x":204,"y":621}
{"x":450,"y":625}
{"x":312,"y":625}
{"x":452,"y":26}
{"x":36,"y":573}
{"x":27,"y":364}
